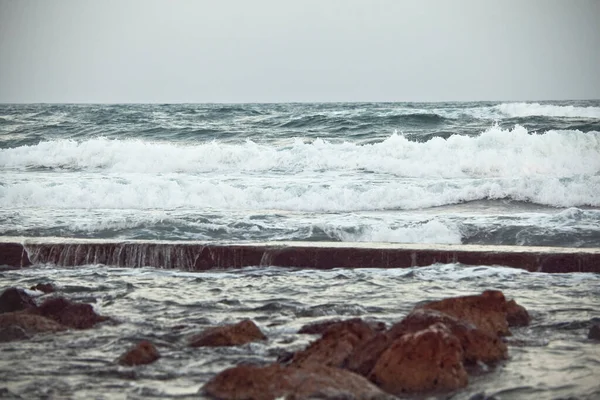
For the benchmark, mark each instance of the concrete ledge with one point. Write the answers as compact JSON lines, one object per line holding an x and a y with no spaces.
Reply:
{"x":18,"y":252}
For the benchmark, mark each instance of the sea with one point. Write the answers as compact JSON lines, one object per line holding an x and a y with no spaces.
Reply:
{"x":489,"y":173}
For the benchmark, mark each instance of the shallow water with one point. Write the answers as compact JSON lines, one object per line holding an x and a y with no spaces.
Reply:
{"x":550,"y":359}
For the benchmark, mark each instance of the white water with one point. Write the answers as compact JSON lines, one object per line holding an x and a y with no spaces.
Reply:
{"x":547,"y":110}
{"x":495,"y":153}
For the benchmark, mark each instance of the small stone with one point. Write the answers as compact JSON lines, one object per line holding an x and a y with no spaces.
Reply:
{"x":238,"y":334}
{"x":143,"y":353}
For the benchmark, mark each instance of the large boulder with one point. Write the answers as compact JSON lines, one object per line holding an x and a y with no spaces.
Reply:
{"x":487,"y":311}
{"x":337,"y":343}
{"x":13,"y":299}
{"x":243,"y":332}
{"x":70,"y":314}
{"x":427,"y":360}
{"x":142,"y":353}
{"x":478,"y":345}
{"x":276,"y":381}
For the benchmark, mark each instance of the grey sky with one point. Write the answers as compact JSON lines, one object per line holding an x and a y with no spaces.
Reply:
{"x":301,"y":50}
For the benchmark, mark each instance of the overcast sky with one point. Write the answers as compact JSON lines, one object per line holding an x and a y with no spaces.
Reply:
{"x":298,"y":50}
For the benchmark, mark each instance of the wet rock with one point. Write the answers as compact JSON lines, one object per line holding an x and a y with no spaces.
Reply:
{"x":276,"y":381}
{"x":30,"y":323}
{"x":516,"y":314}
{"x":13,"y":299}
{"x":318,"y":328}
{"x":477,"y":345}
{"x":243,"y":332}
{"x":487,"y":311}
{"x":44,"y":287}
{"x":363,"y":357}
{"x":427,"y":360}
{"x":337,"y":343}
{"x":12,"y":332}
{"x":70,"y":314}
{"x":143,"y":353}
{"x":594,"y":332}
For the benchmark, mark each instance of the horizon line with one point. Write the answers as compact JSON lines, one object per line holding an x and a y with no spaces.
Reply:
{"x":285,"y":102}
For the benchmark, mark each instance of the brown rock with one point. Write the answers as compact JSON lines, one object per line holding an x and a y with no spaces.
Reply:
{"x":30,"y":323}
{"x":13,"y":299}
{"x":243,"y":332}
{"x":276,"y":381}
{"x":337,"y":343}
{"x":143,"y":353}
{"x":594,"y":332}
{"x":477,"y":345}
{"x":318,"y":328}
{"x":44,"y":287}
{"x":363,"y":357}
{"x":70,"y":314}
{"x":430,"y":359}
{"x":487,"y":311}
{"x":516,"y":315}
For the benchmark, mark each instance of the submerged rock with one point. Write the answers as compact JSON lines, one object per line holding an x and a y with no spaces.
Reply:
{"x":70,"y":314}
{"x":243,"y":332}
{"x":276,"y":381}
{"x":487,"y":311}
{"x":29,"y":323}
{"x":13,"y":332}
{"x":318,"y":328}
{"x":143,"y":353}
{"x":44,"y":287}
{"x":13,"y":299}
{"x":594,"y":332}
{"x":430,"y":359}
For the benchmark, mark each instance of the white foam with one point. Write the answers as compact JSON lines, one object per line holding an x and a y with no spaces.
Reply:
{"x":547,"y":110}
{"x":558,"y":168}
{"x":430,"y":232}
{"x":494,"y":153}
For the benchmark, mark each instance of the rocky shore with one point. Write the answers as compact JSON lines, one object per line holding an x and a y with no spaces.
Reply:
{"x":432,"y":350}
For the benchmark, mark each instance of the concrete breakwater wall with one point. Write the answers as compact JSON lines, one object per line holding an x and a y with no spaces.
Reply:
{"x":198,"y":256}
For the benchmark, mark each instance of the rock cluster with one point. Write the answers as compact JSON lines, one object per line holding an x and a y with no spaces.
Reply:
{"x":21,"y":317}
{"x":425,"y":352}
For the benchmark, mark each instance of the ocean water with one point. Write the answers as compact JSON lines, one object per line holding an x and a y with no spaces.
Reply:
{"x":484,"y":173}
